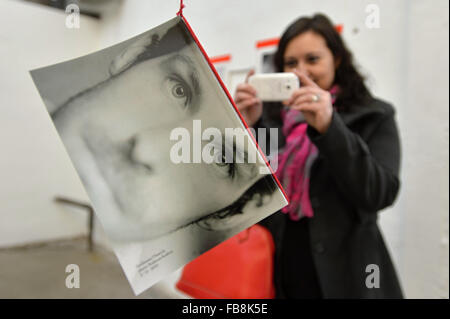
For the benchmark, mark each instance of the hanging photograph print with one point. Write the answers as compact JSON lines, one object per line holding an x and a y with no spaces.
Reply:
{"x":169,"y":166}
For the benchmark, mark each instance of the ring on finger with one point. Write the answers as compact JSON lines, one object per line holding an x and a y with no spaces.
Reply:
{"x":315,"y":98}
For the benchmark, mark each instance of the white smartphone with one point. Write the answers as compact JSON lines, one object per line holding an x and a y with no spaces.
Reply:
{"x":274,"y":86}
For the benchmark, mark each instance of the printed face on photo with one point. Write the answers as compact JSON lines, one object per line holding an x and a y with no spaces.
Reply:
{"x":122,"y":127}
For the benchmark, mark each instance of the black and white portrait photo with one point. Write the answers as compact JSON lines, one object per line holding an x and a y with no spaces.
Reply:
{"x":123,"y":114}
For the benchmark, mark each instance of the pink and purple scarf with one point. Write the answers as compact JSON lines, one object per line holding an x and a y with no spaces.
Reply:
{"x":295,"y":162}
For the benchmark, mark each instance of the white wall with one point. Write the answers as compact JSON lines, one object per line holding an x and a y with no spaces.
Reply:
{"x":406,"y":60}
{"x":425,"y":138}
{"x":33,"y":164}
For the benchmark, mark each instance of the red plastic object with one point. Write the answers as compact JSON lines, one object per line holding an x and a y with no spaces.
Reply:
{"x":239,"y":268}
{"x":221,"y":58}
{"x":267,"y":43}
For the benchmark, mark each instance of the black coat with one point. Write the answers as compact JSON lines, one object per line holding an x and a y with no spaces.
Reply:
{"x":355,"y":176}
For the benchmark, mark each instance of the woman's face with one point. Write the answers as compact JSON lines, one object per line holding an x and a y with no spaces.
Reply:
{"x":308,"y":52}
{"x":128,"y":135}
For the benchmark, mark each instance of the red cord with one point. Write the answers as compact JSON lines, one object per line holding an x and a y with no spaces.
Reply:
{"x":180,"y":12}
{"x":234,"y":105}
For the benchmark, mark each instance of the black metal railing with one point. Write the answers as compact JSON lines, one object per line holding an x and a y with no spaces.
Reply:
{"x":90,"y":211}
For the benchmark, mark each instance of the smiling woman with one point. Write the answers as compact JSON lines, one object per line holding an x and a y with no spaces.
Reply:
{"x":118,"y":135}
{"x":340,"y":166}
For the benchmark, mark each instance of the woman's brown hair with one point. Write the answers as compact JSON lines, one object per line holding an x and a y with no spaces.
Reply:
{"x":353,"y":92}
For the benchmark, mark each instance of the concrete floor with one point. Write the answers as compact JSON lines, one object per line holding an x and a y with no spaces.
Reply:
{"x":39,"y":272}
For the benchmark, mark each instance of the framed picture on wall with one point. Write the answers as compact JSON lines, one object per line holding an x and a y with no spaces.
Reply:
{"x":265,"y":51}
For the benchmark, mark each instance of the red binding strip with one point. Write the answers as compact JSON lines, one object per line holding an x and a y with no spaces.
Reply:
{"x":232,"y":102}
{"x":267,"y":43}
{"x":220,"y":58}
{"x":339,"y":28}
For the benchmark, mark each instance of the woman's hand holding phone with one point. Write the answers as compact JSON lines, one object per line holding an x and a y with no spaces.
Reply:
{"x":313,"y":102}
{"x":248,"y":104}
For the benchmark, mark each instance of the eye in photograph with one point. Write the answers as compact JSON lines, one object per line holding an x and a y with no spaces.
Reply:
{"x":233,"y":162}
{"x":227,"y":158}
{"x":179,"y":89}
{"x":228,"y":169}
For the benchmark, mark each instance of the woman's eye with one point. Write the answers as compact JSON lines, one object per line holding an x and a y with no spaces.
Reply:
{"x":290,"y":63}
{"x":313,"y":59}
